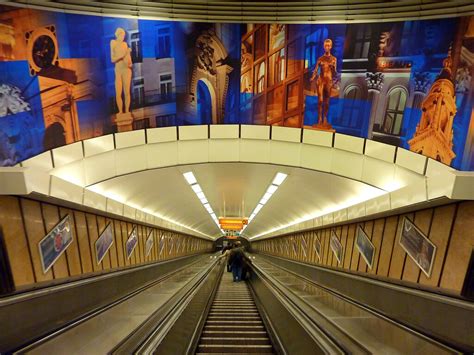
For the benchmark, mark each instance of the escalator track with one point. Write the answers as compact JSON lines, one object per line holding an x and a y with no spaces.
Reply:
{"x":234,"y":324}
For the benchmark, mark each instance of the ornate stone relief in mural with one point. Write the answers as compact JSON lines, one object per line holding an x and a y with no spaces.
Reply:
{"x":374,"y":81}
{"x":11,"y":100}
{"x":210,"y":68}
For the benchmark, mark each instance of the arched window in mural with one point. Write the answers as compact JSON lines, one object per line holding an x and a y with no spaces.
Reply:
{"x":393,"y":117}
{"x":260,"y":77}
{"x":276,"y":68}
{"x":351,"y":111}
{"x":204,"y":103}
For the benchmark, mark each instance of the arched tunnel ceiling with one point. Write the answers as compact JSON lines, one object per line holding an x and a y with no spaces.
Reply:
{"x":263,"y":11}
{"x":234,"y":190}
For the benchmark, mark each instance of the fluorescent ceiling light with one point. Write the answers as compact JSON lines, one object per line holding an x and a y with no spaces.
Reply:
{"x":277,"y":181}
{"x":272,"y":188}
{"x":279,"y":178}
{"x":258,"y":208}
{"x":189,"y":176}
{"x":267,"y":195}
{"x":191,"y":180}
{"x":196,"y":188}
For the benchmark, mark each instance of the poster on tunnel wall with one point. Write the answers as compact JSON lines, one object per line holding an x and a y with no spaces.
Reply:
{"x":336,"y":247}
{"x":103,"y":243}
{"x":131,"y":243}
{"x":418,"y":246}
{"x":68,"y":77}
{"x":365,"y":247}
{"x":55,"y":243}
{"x":149,"y":243}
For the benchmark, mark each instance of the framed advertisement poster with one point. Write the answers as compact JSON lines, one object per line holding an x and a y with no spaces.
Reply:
{"x":131,"y":243}
{"x":53,"y":245}
{"x":365,"y":246}
{"x":417,"y":246}
{"x":336,"y":247}
{"x":104,"y":242}
{"x":149,"y":243}
{"x":317,"y":246}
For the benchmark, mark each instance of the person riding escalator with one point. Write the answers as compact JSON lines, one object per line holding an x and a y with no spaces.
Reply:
{"x":238,"y":262}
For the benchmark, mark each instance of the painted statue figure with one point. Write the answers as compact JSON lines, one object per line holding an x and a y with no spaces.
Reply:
{"x":120,"y":56}
{"x":324,"y":72}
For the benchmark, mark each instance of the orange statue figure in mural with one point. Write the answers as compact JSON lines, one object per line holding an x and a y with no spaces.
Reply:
{"x":120,"y":56}
{"x":324,"y":73}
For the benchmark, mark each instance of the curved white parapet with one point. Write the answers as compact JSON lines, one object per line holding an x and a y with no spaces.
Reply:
{"x":68,"y":171}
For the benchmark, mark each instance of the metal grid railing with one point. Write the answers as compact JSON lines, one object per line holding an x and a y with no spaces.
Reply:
{"x":322,"y":11}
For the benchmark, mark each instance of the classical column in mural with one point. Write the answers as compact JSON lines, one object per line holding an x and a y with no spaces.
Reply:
{"x":434,"y":133}
{"x":120,"y":56}
{"x":211,"y":71}
{"x":421,"y":86}
{"x":374,"y":86}
{"x":325,"y":74}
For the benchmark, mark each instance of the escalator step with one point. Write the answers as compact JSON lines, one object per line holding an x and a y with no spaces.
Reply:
{"x":233,"y":334}
{"x":239,"y":318}
{"x":233,"y":325}
{"x":235,"y":341}
{"x":246,"y":349}
{"x":231,"y":322}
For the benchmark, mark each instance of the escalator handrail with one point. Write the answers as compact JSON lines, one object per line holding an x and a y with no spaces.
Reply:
{"x":315,"y":331}
{"x":33,"y":343}
{"x":357,"y":304}
{"x":156,"y":326}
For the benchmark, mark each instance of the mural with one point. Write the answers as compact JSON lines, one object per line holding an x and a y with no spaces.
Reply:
{"x":67,"y":77}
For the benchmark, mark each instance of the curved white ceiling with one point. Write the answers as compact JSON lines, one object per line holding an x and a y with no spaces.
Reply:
{"x":264,"y":11}
{"x":332,"y":178}
{"x":233,"y":190}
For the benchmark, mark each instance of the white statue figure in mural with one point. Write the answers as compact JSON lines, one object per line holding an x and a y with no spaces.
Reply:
{"x":120,"y":56}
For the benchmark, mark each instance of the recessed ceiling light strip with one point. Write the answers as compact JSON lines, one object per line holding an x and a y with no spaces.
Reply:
{"x":277,"y":181}
{"x":192,"y":181}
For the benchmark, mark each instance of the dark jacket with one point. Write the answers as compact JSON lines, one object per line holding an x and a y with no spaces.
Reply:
{"x":238,"y":257}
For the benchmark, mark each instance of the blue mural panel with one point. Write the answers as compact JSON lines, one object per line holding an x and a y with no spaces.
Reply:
{"x":21,"y":114}
{"x":67,"y":77}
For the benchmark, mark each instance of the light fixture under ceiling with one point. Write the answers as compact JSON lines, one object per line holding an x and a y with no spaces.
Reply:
{"x":277,"y":181}
{"x":192,"y":181}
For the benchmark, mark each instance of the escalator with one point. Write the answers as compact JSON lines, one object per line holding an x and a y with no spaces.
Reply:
{"x":233,"y":324}
{"x":192,"y":306}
